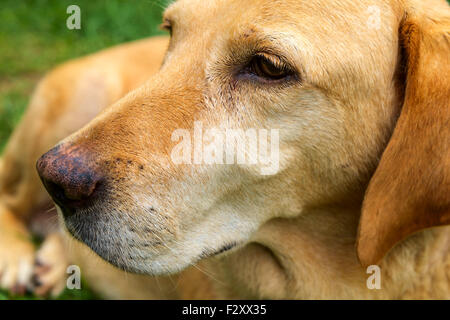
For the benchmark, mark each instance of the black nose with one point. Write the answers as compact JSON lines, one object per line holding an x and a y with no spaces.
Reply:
{"x":71,"y":177}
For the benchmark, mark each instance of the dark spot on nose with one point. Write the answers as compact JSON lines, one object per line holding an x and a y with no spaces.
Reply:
{"x":71,"y":177}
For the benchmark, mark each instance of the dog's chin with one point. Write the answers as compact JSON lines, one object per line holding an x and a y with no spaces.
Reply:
{"x":126,"y":254}
{"x":127,"y":259}
{"x":166,"y":263}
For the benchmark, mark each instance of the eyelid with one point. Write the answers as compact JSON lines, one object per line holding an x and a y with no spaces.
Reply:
{"x":166,"y":25}
{"x":276,"y":61}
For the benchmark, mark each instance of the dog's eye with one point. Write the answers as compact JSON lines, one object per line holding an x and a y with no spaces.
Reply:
{"x":269,"y":67}
{"x":167,"y":26}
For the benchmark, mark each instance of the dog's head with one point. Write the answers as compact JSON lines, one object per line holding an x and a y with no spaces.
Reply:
{"x":161,"y":179}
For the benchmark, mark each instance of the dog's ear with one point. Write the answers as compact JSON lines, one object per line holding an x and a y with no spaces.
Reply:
{"x":410,"y":190}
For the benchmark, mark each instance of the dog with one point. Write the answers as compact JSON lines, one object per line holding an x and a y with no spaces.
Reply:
{"x":359,"y":94}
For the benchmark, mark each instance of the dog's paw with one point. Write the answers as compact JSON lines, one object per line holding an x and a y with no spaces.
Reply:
{"x":17,"y":254}
{"x":49,"y":276}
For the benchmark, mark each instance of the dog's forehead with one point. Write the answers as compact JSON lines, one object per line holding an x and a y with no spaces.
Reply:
{"x":229,"y":12}
{"x":319,"y":27}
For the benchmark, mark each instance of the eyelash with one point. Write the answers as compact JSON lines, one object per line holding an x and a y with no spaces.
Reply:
{"x":268,"y":67}
{"x":167,"y":26}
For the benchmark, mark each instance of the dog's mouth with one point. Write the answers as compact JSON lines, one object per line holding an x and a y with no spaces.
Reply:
{"x":225,"y":248}
{"x":129,"y":251}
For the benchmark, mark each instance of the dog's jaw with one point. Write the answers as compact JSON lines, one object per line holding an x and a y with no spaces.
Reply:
{"x":148,"y":249}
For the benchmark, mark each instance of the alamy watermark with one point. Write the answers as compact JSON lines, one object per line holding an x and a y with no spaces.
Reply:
{"x":74,"y":20}
{"x":374,"y":281}
{"x":74,"y":279}
{"x":227,"y":146}
{"x":374,"y":21}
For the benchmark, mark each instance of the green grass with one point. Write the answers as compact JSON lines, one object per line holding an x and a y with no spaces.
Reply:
{"x":84,"y":294}
{"x":34,"y":38}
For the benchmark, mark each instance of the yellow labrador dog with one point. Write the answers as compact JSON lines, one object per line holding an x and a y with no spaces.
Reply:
{"x":353,"y":96}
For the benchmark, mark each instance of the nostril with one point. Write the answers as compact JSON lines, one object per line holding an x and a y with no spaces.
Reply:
{"x":68,"y":198}
{"x":71,"y":177}
{"x":57,"y":192}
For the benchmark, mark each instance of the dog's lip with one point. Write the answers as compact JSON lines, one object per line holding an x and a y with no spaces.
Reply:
{"x":225,"y":248}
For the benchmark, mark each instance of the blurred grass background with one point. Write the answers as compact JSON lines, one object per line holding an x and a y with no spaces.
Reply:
{"x":34,"y":38}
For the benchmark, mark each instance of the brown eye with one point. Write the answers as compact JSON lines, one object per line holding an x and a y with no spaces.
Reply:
{"x":167,"y":26}
{"x":269,"y":67}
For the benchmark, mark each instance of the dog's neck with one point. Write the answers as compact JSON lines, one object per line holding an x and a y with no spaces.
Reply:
{"x":314,"y":257}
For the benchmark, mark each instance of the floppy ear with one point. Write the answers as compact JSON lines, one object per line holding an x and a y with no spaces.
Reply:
{"x":410,"y":190}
